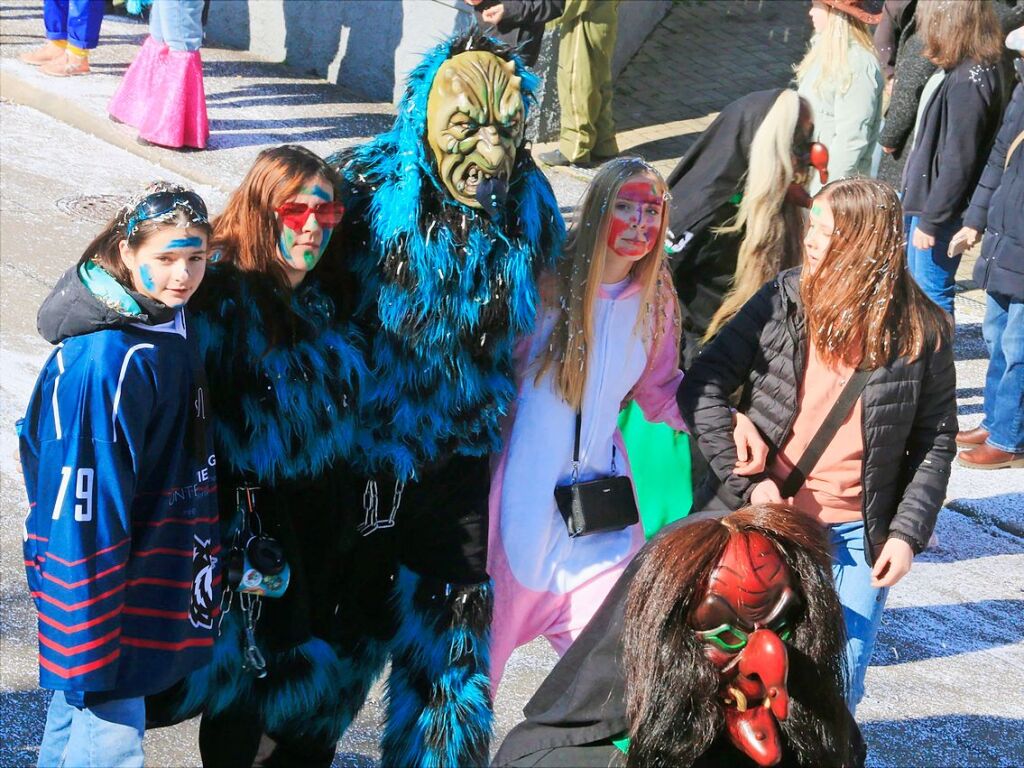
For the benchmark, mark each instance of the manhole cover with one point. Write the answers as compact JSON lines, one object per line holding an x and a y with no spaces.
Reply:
{"x":96,"y":208}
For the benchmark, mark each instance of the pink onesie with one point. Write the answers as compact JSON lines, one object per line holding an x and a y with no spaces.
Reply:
{"x":546,"y":583}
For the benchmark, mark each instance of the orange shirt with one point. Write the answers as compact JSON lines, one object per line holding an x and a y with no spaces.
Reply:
{"x":832,"y":492}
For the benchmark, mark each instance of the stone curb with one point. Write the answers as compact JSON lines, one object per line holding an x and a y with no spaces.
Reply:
{"x":19,"y":91}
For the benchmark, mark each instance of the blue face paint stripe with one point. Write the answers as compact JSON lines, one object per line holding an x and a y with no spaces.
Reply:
{"x":320,"y":192}
{"x":147,"y":277}
{"x":186,"y":242}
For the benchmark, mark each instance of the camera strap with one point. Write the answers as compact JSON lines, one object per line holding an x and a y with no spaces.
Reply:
{"x":249,"y":604}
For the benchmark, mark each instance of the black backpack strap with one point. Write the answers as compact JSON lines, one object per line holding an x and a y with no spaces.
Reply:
{"x":825,"y":433}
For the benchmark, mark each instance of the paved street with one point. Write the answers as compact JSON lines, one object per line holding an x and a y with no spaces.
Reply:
{"x":944,"y":688}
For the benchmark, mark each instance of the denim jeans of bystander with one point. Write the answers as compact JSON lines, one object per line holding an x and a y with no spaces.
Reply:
{"x":933,"y":269}
{"x":1003,"y":330}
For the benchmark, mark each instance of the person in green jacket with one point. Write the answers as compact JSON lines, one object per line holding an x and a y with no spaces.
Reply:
{"x":588,"y":30}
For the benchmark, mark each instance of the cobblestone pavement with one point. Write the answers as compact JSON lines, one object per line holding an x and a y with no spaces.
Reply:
{"x":703,"y":55}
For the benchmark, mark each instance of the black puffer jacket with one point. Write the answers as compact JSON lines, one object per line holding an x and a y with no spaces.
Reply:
{"x":909,"y":409}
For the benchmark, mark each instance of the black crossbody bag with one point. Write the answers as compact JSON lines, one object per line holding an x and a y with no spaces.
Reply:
{"x":595,"y":506}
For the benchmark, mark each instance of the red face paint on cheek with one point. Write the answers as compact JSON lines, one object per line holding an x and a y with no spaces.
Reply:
{"x":636,"y":219}
{"x":616,"y":228}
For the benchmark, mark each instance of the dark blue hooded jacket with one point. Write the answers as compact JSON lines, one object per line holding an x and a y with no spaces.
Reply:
{"x":997,"y":207}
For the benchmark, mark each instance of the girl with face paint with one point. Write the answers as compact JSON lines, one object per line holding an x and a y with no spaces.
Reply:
{"x":119,"y":465}
{"x":607,"y":334}
{"x":284,"y":367}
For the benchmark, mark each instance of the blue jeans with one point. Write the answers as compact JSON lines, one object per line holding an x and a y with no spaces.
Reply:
{"x":862,"y":604}
{"x":177,"y":23}
{"x":77,"y":21}
{"x":107,"y":734}
{"x":1003,"y":330}
{"x":933,"y":270}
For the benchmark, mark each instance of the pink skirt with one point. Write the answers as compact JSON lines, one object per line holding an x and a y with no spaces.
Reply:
{"x":162,"y":95}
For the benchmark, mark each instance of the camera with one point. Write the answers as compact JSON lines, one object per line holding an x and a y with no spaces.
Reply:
{"x":258,"y":567}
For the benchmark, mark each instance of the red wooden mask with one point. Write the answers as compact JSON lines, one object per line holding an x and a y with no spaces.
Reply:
{"x":744,"y":620}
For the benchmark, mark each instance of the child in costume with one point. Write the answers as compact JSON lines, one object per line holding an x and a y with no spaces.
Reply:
{"x":121,"y":541}
{"x":284,"y":366}
{"x":608,"y":334}
{"x":162,"y":93}
{"x":447,"y":223}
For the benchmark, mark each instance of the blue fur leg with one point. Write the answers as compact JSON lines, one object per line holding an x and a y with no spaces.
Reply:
{"x":439,"y":709}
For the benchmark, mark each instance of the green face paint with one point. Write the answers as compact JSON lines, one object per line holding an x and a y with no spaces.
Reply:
{"x":816,"y":209}
{"x":305,"y":259}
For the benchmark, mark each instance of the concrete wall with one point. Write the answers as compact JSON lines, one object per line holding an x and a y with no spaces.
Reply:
{"x":370,"y":45}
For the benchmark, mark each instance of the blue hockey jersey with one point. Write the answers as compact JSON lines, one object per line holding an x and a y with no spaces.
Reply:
{"x":121,"y":537}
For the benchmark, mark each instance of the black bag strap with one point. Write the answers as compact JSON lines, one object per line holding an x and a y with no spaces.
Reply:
{"x":825,"y":432}
{"x":576,"y":448}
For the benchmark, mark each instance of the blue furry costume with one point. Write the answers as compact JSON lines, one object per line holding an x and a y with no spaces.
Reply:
{"x":284,"y":369}
{"x":443,"y":292}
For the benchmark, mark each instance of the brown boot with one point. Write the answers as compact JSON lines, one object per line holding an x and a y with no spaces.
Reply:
{"x":69,"y":66}
{"x":987,"y":457}
{"x":43,"y":54}
{"x":971,"y":437}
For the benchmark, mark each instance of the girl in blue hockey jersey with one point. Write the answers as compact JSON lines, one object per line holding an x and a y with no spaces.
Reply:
{"x":121,"y":538}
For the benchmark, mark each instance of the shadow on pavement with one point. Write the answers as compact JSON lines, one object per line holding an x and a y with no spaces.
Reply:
{"x":940,"y":631}
{"x":22,"y":714}
{"x":281,"y":94}
{"x":960,"y":740}
{"x":968,"y":343}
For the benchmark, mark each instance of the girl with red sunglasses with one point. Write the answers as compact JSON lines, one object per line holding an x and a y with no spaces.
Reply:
{"x":283,"y":364}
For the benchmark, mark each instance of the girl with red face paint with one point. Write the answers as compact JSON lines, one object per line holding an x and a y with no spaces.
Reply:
{"x":607,"y":334}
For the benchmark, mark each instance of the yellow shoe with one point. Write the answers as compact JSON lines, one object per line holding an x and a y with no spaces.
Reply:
{"x":43,"y":54}
{"x":69,"y":66}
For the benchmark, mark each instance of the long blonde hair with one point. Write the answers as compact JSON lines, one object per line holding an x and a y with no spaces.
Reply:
{"x":572,"y":291}
{"x":830,"y":48}
{"x":771,"y":227}
{"x":863,"y":307}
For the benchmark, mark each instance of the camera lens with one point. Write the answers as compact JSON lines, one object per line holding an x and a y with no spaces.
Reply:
{"x":266,"y":555}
